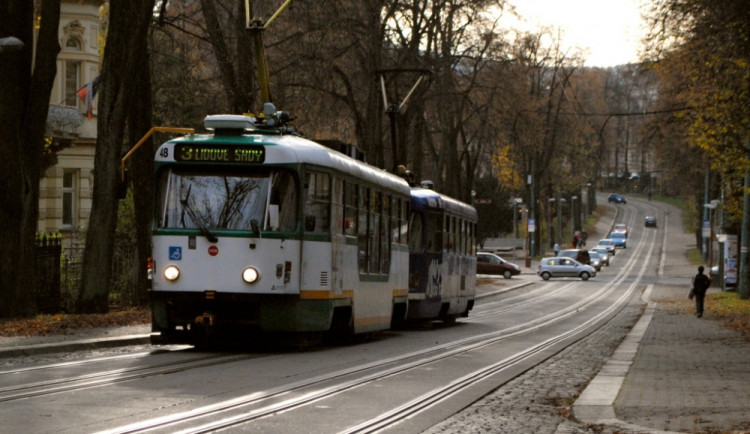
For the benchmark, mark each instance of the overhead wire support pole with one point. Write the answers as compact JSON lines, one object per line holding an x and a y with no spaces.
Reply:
{"x":257,"y":27}
{"x":413,"y":88}
{"x":393,"y":109}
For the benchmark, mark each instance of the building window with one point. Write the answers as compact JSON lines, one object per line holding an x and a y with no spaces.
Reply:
{"x":69,"y":199}
{"x":72,"y":45}
{"x":72,"y":83}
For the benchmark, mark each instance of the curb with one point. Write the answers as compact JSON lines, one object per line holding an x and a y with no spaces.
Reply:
{"x":84,"y":344}
{"x":500,"y":291}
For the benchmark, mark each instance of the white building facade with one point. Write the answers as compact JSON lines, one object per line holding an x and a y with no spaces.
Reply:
{"x":66,"y":188}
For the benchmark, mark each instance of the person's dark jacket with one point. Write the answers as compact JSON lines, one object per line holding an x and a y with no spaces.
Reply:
{"x":701,"y":282}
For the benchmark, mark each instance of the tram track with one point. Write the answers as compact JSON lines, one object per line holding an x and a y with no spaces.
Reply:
{"x":103,"y":378}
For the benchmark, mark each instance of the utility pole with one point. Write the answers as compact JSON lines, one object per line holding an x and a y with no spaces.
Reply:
{"x":559,"y":220}
{"x":744,"y":290}
{"x":704,"y":245}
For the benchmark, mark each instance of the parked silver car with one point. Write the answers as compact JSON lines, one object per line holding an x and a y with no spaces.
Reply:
{"x":607,"y":244}
{"x":564,"y":267}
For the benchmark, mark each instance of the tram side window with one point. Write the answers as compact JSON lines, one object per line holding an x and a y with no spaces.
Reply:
{"x":454,"y":234}
{"x":350,"y":209}
{"x":317,"y":205}
{"x":363,"y":214}
{"x":374,"y":233}
{"x":395,"y":224}
{"x":284,"y":196}
{"x":448,"y":233}
{"x":459,"y":236}
{"x":403,"y":221}
{"x":416,"y":242}
{"x":337,"y":206}
{"x":462,"y":245}
{"x":473,"y":239}
{"x":435,"y":232}
{"x":385,"y":230}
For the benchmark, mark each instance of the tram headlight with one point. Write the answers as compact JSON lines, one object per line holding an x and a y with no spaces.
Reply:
{"x":250,"y":275}
{"x":171,"y":273}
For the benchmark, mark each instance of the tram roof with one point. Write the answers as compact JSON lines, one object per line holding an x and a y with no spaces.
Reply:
{"x":292,"y":149}
{"x":428,"y":198}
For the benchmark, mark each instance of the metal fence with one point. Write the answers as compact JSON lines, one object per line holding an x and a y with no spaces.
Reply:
{"x":48,"y":250}
{"x":60,"y":267}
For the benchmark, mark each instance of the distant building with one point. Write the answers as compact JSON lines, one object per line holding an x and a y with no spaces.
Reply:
{"x":66,"y":188}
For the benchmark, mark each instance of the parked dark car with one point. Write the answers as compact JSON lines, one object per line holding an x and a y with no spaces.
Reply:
{"x":597,"y":260}
{"x":616,"y":198}
{"x":489,"y":263}
{"x":603,"y":252}
{"x":650,"y":222}
{"x":580,"y":255}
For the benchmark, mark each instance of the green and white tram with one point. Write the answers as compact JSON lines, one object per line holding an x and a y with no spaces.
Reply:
{"x":257,"y":229}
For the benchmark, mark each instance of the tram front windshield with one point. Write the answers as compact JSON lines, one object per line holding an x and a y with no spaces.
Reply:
{"x":240,"y":200}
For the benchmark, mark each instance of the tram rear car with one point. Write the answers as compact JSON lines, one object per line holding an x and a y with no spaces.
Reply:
{"x":442,"y":257}
{"x":264,"y":231}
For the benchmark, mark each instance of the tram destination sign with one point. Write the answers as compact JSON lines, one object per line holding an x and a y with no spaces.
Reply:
{"x":219,"y":153}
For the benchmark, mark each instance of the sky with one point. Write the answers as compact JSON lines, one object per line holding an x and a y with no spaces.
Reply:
{"x":609,"y":31}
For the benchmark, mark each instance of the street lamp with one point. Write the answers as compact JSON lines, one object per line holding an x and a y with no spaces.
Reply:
{"x":560,"y":201}
{"x":589,"y":199}
{"x":10,"y":43}
{"x":516,"y":203}
{"x":550,"y":231}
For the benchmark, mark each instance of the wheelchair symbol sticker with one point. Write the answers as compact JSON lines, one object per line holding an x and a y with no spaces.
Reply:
{"x":175,"y":253}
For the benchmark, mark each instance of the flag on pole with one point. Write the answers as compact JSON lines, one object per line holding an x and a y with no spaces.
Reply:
{"x":87,"y":94}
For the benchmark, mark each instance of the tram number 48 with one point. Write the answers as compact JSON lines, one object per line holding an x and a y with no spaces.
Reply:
{"x":164,"y":152}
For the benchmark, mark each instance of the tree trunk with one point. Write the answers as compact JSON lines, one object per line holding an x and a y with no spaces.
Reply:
{"x":142,"y":171}
{"x":24,"y":101}
{"x":128,"y":33}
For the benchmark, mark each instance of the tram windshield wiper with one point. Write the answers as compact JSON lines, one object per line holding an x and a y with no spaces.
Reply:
{"x":255,"y":228}
{"x":207,"y":233}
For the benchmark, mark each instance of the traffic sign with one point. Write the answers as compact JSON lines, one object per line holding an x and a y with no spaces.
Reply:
{"x":532,"y":225}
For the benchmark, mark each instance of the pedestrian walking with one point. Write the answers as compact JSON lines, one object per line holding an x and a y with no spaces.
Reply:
{"x":556,"y":248}
{"x":701,"y":282}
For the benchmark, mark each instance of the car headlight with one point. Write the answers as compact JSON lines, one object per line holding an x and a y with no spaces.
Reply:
{"x":250,"y":275}
{"x":171,"y":273}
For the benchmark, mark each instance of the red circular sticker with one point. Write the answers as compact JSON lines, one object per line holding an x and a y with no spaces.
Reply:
{"x":213,"y":250}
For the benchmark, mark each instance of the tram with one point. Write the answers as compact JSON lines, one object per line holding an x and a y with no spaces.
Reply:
{"x":442,"y":256}
{"x":259,"y":229}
